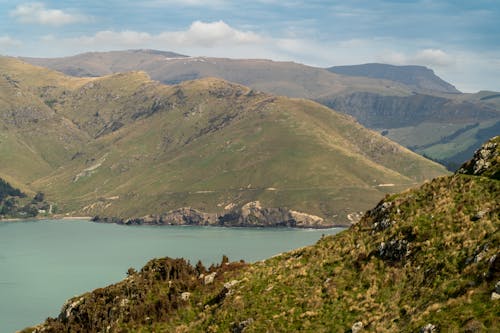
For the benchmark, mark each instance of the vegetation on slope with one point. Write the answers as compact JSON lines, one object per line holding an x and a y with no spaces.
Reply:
{"x":405,"y":102}
{"x":126,"y":146}
{"x":427,"y":259}
{"x":15,"y":204}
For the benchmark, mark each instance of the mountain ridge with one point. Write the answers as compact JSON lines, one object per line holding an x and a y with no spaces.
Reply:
{"x":375,"y":102}
{"x":126,"y":146}
{"x":420,"y":78}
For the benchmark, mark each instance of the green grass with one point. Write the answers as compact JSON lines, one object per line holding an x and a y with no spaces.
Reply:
{"x":124,"y":145}
{"x":445,"y":279}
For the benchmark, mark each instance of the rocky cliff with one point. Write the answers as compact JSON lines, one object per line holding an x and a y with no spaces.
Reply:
{"x":251,"y":214}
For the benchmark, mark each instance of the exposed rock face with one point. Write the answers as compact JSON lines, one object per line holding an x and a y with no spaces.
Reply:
{"x":251,"y":214}
{"x":394,"y":250}
{"x":485,"y":161}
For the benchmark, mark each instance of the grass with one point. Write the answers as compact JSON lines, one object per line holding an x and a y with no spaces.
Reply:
{"x":425,"y":256}
{"x":204,"y":144}
{"x":445,"y":279}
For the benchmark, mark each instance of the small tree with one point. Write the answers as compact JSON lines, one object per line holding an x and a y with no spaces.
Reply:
{"x":39,"y":197}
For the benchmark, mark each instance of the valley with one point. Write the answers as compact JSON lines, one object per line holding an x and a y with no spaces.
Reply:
{"x":125,"y":146}
{"x":403,"y":102}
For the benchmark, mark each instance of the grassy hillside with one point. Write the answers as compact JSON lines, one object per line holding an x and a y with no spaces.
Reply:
{"x":124,"y":145}
{"x":401,"y":101}
{"x":425,"y":260}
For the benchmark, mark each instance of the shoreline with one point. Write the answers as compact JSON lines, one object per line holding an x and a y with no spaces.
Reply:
{"x":89,"y":218}
{"x":37,"y":218}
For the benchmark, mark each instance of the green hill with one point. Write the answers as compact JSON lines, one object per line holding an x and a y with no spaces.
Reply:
{"x":424,"y":260}
{"x":409,"y":104}
{"x":126,"y":146}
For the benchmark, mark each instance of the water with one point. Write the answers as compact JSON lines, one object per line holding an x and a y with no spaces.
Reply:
{"x":43,"y":263}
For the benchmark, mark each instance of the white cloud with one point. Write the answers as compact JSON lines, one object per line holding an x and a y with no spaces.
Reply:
{"x":37,"y":13}
{"x":433,"y":57}
{"x":8,"y":42}
{"x":211,"y":34}
{"x":220,"y":4}
{"x":199,"y":34}
{"x":426,"y":57}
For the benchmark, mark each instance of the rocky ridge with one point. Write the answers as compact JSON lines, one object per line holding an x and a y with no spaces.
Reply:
{"x":251,"y":214}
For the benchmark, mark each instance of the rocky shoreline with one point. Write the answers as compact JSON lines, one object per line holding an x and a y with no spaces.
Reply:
{"x":251,"y":214}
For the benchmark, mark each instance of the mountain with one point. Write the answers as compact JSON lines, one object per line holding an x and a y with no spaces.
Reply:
{"x":420,"y":78}
{"x":105,"y":63}
{"x":280,"y":78}
{"x":126,"y":146}
{"x":408,"y":104}
{"x":424,"y":260}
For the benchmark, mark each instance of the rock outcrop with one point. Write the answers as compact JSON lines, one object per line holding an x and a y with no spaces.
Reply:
{"x":485,"y":161}
{"x":252,"y":214}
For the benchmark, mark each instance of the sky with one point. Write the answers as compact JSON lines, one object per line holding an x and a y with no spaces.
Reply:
{"x":458,"y":39}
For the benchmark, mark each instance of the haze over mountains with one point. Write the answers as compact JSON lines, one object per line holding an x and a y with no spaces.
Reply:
{"x":124,"y":145}
{"x":409,"y":104}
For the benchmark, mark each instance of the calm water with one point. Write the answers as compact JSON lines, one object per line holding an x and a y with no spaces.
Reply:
{"x":44,"y":263}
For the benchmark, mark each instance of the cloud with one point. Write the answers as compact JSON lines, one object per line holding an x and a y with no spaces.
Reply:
{"x":8,"y":42}
{"x":433,"y":57}
{"x":188,"y":3}
{"x":199,"y":34}
{"x":425,"y":57}
{"x":37,"y":13}
{"x":210,"y":34}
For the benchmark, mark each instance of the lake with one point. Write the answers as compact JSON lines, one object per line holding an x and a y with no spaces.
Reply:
{"x":43,"y":263}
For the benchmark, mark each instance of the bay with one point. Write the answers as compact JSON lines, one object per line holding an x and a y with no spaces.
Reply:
{"x":43,"y":263}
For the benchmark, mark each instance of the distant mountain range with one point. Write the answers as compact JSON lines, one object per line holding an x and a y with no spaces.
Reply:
{"x":124,"y":145}
{"x":420,"y":78}
{"x":425,"y":260}
{"x":408,"y":104}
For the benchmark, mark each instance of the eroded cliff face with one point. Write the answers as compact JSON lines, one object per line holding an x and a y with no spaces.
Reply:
{"x":486,"y":161}
{"x":252,"y":214}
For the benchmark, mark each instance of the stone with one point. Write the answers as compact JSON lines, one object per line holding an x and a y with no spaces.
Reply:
{"x":230,"y":284}
{"x":394,"y":250}
{"x":495,"y":296}
{"x":497,"y":287}
{"x":185,"y":296}
{"x":210,"y":278}
{"x":241,"y":326}
{"x":428,"y":328}
{"x":357,"y":327}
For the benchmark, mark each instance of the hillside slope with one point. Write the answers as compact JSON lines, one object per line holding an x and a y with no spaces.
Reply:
{"x":425,"y":260}
{"x":409,"y":104}
{"x":419,"y":78}
{"x":126,"y":146}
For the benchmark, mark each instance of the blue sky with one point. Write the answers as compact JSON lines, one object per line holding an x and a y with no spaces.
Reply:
{"x":460,"y":40}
